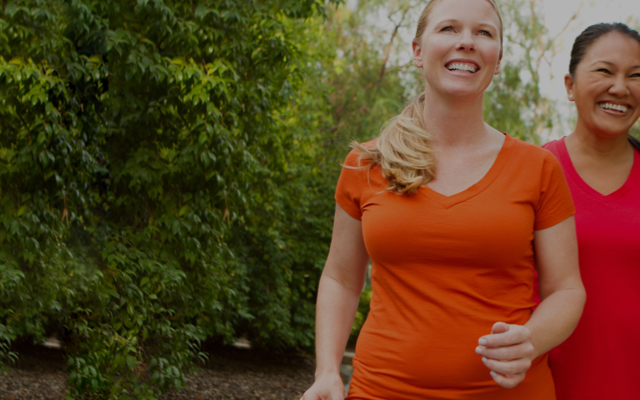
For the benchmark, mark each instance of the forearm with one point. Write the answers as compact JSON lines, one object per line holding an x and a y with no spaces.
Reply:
{"x":560,"y":286}
{"x":556,"y":317}
{"x":335,"y":311}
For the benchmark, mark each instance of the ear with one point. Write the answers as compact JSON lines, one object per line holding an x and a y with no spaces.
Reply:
{"x":417,"y":54}
{"x":497,"y":71}
{"x":569,"y":84}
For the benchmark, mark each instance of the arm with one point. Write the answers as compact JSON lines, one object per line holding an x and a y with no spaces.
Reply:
{"x":509,"y":351}
{"x":339,"y":292}
{"x":563,"y":295}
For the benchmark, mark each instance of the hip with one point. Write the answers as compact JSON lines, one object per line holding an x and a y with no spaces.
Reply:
{"x":386,"y":383}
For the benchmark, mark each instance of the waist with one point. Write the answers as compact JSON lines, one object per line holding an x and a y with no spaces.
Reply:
{"x":379,"y":382}
{"x":434,"y":348}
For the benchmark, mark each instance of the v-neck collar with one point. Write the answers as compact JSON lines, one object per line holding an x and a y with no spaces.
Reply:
{"x":476,"y":188}
{"x":570,"y":171}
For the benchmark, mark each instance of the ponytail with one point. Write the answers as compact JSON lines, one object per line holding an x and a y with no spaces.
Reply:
{"x":403,"y":150}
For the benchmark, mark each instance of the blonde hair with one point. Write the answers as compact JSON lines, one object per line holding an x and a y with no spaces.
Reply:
{"x":403,"y":149}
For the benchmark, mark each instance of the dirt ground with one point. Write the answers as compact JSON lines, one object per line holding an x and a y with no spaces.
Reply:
{"x":38,"y":375}
{"x":230,"y":374}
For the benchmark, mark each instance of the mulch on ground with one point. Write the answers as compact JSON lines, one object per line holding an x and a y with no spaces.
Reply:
{"x":232,"y":373}
{"x":229,"y":374}
{"x":38,"y":375}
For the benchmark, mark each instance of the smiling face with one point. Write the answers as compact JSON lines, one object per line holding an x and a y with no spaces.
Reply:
{"x":460,"y":49}
{"x":606,"y":85}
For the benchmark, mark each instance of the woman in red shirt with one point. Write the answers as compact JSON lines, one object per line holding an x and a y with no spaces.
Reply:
{"x":447,"y":208}
{"x":600,"y":359}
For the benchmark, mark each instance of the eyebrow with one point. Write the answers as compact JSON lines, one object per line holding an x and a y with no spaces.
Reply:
{"x":612,"y":64}
{"x":604,"y":62}
{"x":482,"y":24}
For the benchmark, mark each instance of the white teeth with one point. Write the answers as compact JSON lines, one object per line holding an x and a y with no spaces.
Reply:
{"x":611,"y":106}
{"x":462,"y":67}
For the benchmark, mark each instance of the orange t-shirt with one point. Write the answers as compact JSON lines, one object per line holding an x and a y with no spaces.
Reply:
{"x":445,"y":269}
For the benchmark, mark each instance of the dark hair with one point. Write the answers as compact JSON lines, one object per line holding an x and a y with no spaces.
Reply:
{"x":593,"y":33}
{"x":634,"y":142}
{"x":586,"y":39}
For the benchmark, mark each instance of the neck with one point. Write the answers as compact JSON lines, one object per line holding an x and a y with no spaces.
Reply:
{"x":453,"y":122}
{"x":597,"y":145}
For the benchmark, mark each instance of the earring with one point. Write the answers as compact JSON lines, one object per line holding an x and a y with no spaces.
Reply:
{"x":571,"y":97}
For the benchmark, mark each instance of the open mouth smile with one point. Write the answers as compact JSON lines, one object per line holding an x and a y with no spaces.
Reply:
{"x":463,"y":66}
{"x":616,"y":108}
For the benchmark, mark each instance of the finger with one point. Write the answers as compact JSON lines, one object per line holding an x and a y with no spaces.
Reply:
{"x":499,"y":327}
{"x":508,"y":382}
{"x":515,"y":335}
{"x":507,"y":368}
{"x":508,"y":353}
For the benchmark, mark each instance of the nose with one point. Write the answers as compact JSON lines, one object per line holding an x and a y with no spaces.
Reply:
{"x":466,"y":41}
{"x":619,"y":87}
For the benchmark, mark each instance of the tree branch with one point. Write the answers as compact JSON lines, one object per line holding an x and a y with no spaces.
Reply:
{"x":387,"y":49}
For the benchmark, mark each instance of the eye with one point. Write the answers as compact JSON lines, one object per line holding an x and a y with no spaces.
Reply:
{"x":636,"y":75}
{"x":447,"y":28}
{"x":486,"y":33}
{"x":606,"y":71}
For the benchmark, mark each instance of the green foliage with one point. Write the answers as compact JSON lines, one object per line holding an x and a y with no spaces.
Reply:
{"x":156,"y":187}
{"x":367,"y":91}
{"x":635,"y":130}
{"x":361,"y":314}
{"x":514,"y":104}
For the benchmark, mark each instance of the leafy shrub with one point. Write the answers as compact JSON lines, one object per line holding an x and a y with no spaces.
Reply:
{"x":154,"y":189}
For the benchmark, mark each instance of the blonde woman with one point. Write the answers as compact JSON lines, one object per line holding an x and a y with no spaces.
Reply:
{"x":451,"y":213}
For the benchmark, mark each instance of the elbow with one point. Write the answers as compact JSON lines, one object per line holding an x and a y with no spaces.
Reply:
{"x":580,"y":296}
{"x":583,"y":296}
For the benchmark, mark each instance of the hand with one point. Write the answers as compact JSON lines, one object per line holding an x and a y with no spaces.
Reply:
{"x":508,"y":353}
{"x":326,"y":387}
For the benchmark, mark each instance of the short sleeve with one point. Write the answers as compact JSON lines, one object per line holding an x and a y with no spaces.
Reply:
{"x":350,"y":185}
{"x":555,"y":203}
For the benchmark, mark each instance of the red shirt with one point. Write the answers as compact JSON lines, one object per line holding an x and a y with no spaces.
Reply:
{"x":601,"y":359}
{"x":445,"y":269}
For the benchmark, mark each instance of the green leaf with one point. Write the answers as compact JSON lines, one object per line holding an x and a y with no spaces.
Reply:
{"x":131,"y":362}
{"x":22,"y":211}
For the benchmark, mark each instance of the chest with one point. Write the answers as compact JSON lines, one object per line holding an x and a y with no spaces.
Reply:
{"x":609,"y":249}
{"x":614,"y":225}
{"x":488,"y":229}
{"x":455,"y":171}
{"x":603,"y":177}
